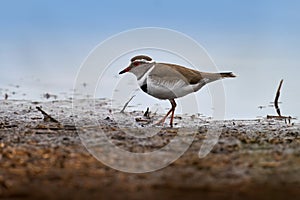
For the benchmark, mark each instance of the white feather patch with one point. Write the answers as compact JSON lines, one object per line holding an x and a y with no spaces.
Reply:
{"x":142,"y":80}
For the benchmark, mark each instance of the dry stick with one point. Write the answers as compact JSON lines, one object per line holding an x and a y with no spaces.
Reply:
{"x":126,"y":104}
{"x":277,"y":97}
{"x":47,"y":117}
{"x":147,"y":113}
{"x":280,"y":117}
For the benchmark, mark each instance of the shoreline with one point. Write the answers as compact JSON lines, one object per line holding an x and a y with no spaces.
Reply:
{"x":252,"y":159}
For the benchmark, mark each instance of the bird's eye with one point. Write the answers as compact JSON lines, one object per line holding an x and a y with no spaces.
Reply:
{"x":136,"y":64}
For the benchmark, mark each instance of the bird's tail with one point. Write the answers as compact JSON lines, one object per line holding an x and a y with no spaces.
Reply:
{"x":227,"y":75}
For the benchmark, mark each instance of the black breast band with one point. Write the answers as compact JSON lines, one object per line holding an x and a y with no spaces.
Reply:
{"x":144,"y":87}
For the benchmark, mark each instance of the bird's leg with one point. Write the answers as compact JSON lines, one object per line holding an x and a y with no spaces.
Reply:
{"x":173,"y":110}
{"x":162,"y":121}
{"x":173,"y":103}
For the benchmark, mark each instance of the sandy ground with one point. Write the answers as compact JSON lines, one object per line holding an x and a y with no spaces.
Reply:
{"x":253,"y":159}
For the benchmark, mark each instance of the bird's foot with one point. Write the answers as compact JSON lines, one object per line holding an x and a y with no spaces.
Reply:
{"x":162,"y":122}
{"x":159,"y":123}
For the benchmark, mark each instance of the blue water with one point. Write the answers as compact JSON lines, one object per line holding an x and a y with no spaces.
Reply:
{"x":255,"y":86}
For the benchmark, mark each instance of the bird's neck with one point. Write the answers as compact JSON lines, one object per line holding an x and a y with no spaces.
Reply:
{"x":141,"y":71}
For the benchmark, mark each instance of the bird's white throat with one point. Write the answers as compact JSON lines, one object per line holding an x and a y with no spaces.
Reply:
{"x":143,"y":74}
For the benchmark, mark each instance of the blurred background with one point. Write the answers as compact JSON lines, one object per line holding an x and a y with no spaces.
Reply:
{"x":43,"y":44}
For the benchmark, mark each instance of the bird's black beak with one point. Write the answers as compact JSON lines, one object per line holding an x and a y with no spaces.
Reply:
{"x":122,"y":72}
{"x":125,"y":70}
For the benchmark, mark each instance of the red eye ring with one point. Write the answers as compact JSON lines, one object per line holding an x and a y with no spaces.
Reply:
{"x":136,"y":64}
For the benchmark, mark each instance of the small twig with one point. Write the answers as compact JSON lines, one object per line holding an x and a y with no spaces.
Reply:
{"x":147,"y":113}
{"x":47,"y":117}
{"x":126,"y":104}
{"x":287,"y":119}
{"x":138,"y":119}
{"x":279,"y":117}
{"x":277,"y":97}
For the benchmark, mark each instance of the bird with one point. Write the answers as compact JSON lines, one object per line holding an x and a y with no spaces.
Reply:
{"x":168,"y":81}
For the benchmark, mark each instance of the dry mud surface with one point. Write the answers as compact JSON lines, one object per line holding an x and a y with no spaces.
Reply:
{"x":253,"y":159}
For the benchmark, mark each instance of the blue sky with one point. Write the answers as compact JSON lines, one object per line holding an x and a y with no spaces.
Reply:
{"x":106,"y":17}
{"x":46,"y":29}
{"x":47,"y":41}
{"x":65,"y":25}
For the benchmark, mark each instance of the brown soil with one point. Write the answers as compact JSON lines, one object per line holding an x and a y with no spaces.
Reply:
{"x":44,"y":160}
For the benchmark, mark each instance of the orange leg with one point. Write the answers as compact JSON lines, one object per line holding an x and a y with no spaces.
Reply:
{"x":162,"y":121}
{"x":172,"y":110}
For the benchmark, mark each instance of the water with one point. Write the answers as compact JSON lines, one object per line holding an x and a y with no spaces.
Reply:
{"x":258,"y":75}
{"x":244,"y":94}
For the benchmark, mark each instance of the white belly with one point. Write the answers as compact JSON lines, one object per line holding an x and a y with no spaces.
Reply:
{"x":167,"y":86}
{"x":170,"y":90}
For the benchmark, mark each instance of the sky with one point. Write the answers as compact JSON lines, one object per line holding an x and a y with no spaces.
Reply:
{"x":43,"y":44}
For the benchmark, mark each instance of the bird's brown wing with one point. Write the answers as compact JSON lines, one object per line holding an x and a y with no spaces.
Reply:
{"x":191,"y":76}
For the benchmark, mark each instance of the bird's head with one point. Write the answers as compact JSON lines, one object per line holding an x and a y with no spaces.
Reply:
{"x":137,"y":62}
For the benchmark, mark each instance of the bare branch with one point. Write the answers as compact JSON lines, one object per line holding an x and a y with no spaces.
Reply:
{"x":47,"y":117}
{"x":287,"y":119}
{"x":126,"y":104}
{"x":277,"y":97}
{"x":147,"y":113}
